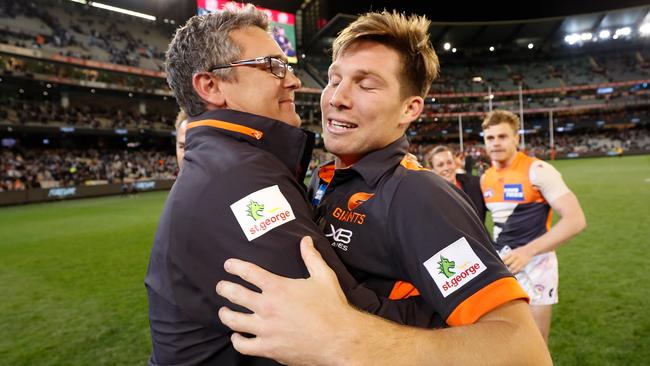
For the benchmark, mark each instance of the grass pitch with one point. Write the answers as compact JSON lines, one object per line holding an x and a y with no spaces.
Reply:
{"x":71,"y":275}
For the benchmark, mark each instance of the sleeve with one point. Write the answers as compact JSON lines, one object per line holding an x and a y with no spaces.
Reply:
{"x":211,"y":227}
{"x":548,"y":180}
{"x":445,"y":251}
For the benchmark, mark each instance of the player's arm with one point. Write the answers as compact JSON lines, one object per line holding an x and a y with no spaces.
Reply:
{"x":572,"y":219}
{"x":292,"y":318}
{"x":277,"y":250}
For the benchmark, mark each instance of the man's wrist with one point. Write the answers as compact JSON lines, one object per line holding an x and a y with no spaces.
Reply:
{"x":531,"y":248}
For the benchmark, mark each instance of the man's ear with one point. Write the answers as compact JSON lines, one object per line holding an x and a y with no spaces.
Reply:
{"x":209,"y":88}
{"x":413,"y":108}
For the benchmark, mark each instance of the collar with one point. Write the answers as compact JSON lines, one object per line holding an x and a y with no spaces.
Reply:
{"x":291,"y":145}
{"x":376,"y":164}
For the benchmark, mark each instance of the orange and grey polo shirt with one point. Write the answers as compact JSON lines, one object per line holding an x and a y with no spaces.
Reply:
{"x":391,"y":221}
{"x":518,"y":197}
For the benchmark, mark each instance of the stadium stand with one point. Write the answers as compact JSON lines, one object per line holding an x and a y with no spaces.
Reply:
{"x":48,"y":168}
{"x":71,"y":73}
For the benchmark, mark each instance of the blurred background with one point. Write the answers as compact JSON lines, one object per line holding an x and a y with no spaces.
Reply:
{"x":85,"y":111}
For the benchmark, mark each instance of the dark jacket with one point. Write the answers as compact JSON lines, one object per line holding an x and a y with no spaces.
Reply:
{"x":471,"y":185}
{"x":237,"y":196}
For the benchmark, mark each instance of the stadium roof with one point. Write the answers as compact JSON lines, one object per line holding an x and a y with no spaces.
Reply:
{"x":463,"y":24}
{"x":471,"y":34}
{"x":450,"y":11}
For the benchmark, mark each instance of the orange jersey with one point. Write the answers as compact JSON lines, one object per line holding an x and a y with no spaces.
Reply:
{"x":520,"y":211}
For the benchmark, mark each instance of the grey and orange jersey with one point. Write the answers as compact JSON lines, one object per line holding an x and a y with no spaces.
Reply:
{"x":518,"y":198}
{"x":389,"y":219}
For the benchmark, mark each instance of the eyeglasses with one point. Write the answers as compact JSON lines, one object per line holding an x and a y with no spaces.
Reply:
{"x":276,"y":66}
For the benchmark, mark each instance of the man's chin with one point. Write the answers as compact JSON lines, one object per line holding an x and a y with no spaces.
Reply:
{"x":292,"y":121}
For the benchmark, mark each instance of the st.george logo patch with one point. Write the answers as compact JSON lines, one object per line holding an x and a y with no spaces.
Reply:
{"x":454,"y":266}
{"x":262,"y":211}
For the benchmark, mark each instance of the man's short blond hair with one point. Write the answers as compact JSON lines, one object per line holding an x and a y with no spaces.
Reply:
{"x":497,"y":117}
{"x":408,"y":35}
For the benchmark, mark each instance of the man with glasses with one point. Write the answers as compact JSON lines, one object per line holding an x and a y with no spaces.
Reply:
{"x":387,"y":219}
{"x":239,"y":193}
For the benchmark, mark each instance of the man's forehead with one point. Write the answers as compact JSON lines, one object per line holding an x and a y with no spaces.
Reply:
{"x":501,"y":128}
{"x":443,"y":155}
{"x":370,"y":50}
{"x":256,"y":42}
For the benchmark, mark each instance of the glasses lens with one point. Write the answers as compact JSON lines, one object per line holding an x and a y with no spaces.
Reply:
{"x":278,"y":68}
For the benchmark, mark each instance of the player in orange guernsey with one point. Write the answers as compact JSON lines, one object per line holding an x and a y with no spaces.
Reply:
{"x":521,"y":193}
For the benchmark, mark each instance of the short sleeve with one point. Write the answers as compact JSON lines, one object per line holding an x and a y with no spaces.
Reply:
{"x":547,"y":180}
{"x":445,"y":251}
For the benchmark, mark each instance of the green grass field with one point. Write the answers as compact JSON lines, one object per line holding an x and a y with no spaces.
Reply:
{"x":71,"y":275}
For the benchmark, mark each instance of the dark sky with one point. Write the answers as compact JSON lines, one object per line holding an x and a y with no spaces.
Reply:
{"x":468,"y":11}
{"x":442,"y":11}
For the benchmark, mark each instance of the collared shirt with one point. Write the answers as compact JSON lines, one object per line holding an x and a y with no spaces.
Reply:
{"x":390,"y":220}
{"x":237,"y":196}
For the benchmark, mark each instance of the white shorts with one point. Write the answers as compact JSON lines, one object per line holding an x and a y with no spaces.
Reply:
{"x":540,"y":279}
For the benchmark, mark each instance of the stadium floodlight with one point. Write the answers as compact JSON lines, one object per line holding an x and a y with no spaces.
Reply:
{"x":530,"y":46}
{"x":572,"y":38}
{"x":491,"y":48}
{"x":477,"y":79}
{"x":446,"y":46}
{"x":645,"y":29}
{"x":453,"y":50}
{"x":625,"y":31}
{"x":123,"y":11}
{"x":604,"y":34}
{"x":586,"y":36}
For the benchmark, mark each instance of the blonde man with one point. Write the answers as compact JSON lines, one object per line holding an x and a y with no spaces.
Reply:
{"x":387,"y":219}
{"x":521,"y":192}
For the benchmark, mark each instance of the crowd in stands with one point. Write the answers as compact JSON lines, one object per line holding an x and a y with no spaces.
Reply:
{"x":71,"y":167}
{"x":46,"y":112}
{"x":619,"y":97}
{"x":64,"y":168}
{"x":553,"y":72}
{"x":83,"y":32}
{"x":18,"y":66}
{"x":608,"y":142}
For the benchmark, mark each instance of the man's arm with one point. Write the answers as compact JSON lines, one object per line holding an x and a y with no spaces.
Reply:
{"x":309,"y":322}
{"x":572,"y":219}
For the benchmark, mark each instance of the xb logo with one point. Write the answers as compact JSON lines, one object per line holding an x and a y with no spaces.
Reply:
{"x":339,"y":235}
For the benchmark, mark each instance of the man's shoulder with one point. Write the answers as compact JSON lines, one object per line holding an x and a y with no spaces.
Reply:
{"x":468,"y":179}
{"x":419,"y":182}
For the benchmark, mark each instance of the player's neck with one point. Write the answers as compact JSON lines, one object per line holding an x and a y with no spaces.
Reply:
{"x":344,"y":162}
